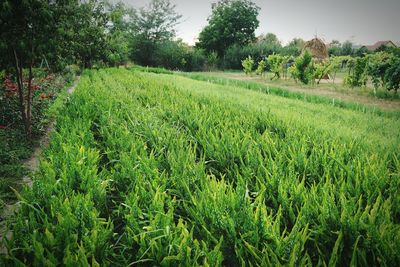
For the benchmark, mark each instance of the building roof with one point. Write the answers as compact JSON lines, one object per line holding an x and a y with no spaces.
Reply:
{"x":379,"y":44}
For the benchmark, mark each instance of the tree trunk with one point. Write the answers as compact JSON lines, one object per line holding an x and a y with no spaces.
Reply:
{"x":20,"y":83}
{"x":29,"y":105}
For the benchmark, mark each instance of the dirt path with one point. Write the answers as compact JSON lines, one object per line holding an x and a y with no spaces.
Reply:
{"x":32,"y":165}
{"x":322,"y":90}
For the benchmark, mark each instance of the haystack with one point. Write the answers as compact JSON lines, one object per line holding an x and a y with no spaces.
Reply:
{"x":317,"y":49}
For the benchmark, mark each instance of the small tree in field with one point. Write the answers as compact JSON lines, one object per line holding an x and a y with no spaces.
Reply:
{"x":248,"y":64}
{"x":303,"y":68}
{"x":322,"y":69}
{"x":262,"y":65}
{"x":392,"y":75}
{"x":275,"y":64}
{"x":357,"y":75}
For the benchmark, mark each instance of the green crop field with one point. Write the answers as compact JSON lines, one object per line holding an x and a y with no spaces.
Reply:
{"x":162,"y":170}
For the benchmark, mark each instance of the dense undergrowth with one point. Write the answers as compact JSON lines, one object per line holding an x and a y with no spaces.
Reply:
{"x":142,"y":171}
{"x":14,"y":146}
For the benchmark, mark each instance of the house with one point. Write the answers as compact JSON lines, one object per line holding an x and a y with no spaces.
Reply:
{"x":377,"y":45}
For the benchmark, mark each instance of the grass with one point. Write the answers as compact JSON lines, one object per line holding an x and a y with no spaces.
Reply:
{"x":256,"y":86}
{"x":154,"y":169}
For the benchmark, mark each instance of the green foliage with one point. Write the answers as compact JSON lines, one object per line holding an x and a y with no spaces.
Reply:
{"x":322,"y":69}
{"x":14,"y":146}
{"x":392,"y":75}
{"x":156,"y":169}
{"x":303,"y":69}
{"x":377,"y":67}
{"x":347,"y":49}
{"x":357,"y":73}
{"x":293,"y":48}
{"x":248,"y":64}
{"x":275,"y":63}
{"x":231,"y":22}
{"x":154,"y":27}
{"x":262,"y":65}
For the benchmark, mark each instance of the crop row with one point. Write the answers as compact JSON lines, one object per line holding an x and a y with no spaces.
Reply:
{"x":141,"y":171}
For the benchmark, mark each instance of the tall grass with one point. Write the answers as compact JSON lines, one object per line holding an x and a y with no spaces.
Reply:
{"x":289,"y":94}
{"x":143,"y":170}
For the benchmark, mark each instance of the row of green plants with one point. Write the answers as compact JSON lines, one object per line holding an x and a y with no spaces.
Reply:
{"x":267,"y":89}
{"x":140,"y":171}
{"x":381,"y":68}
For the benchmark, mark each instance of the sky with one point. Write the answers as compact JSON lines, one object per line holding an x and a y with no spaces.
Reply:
{"x":360,"y":21}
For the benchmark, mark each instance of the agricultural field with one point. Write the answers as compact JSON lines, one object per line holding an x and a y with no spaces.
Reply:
{"x":383,"y":99}
{"x":155,"y":169}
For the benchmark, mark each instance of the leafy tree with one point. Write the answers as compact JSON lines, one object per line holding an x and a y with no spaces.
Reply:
{"x":347,"y":49}
{"x":81,"y":28}
{"x":248,"y":64}
{"x":25,"y":25}
{"x":231,"y":22}
{"x":275,"y":63}
{"x":335,"y":48}
{"x":262,"y":65}
{"x":322,"y":69}
{"x":293,"y":48}
{"x":336,"y":64}
{"x":303,"y":68}
{"x":392,"y":75}
{"x":154,"y":24}
{"x":120,"y":29}
{"x":172,"y":55}
{"x":270,"y":43}
{"x":357,"y":74}
{"x":378,"y":64}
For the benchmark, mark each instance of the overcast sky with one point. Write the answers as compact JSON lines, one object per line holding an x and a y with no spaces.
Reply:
{"x":360,"y":21}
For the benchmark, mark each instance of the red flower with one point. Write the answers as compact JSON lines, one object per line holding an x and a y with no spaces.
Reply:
{"x":42,"y":96}
{"x":3,"y":127}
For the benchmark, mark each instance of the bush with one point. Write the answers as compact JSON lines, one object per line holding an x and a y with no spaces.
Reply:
{"x":303,"y":68}
{"x":275,"y":63}
{"x":357,"y":75}
{"x":392,"y":75}
{"x":248,"y":64}
{"x":262,"y":65}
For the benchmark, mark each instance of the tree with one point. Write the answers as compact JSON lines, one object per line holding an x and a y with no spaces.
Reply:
{"x":154,"y":24}
{"x":303,"y":68}
{"x":347,"y":48}
{"x":275,"y":63}
{"x":248,"y":64}
{"x":293,"y":48}
{"x":120,"y":29}
{"x":262,"y":65}
{"x":25,"y":25}
{"x":231,"y":22}
{"x":335,"y":48}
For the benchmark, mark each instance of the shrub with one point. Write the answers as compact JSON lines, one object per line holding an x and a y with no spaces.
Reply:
{"x":392,"y":75}
{"x":261,"y":67}
{"x":303,"y":68}
{"x":275,"y":63}
{"x":248,"y":64}
{"x":357,"y":75}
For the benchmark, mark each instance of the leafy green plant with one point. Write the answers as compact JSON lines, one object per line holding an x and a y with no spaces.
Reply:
{"x":262,"y":65}
{"x":275,"y":63}
{"x":357,"y":73}
{"x":303,"y":69}
{"x":247,"y":65}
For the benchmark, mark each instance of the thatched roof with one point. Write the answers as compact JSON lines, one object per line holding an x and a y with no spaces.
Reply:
{"x":317,"y":49}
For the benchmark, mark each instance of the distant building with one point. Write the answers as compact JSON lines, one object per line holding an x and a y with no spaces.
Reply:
{"x":375,"y":46}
